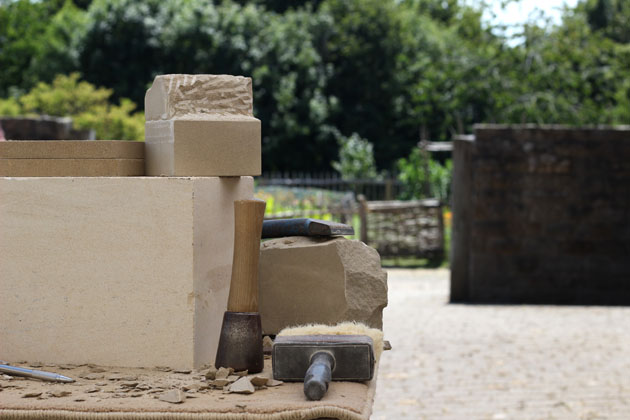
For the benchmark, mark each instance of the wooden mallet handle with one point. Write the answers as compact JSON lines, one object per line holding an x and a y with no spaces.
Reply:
{"x":248,"y":219}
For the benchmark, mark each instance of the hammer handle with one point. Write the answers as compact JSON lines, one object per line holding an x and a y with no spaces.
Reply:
{"x":318,"y":375}
{"x":248,"y":219}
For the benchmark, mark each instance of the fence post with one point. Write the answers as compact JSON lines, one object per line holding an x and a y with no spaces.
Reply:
{"x":440,"y":217}
{"x":389,"y":184}
{"x":363,"y":210}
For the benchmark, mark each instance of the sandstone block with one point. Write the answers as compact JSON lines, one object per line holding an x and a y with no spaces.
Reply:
{"x":71,"y":167}
{"x":217,"y":147}
{"x":130,"y":271}
{"x":198,"y":96}
{"x":309,"y":280}
{"x":71,"y":158}
{"x":201,"y":125}
{"x":71,"y":149}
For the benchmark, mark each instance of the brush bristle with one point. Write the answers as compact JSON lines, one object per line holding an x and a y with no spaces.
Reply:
{"x":344,"y":328}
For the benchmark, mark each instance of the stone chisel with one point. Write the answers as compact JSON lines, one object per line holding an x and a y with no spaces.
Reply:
{"x":280,"y":228}
{"x":33,"y":373}
{"x":240,"y":342}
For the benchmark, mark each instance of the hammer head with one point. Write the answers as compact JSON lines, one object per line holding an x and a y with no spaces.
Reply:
{"x":353,"y":356}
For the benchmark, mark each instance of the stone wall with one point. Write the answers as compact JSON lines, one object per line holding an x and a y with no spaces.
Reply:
{"x":42,"y":128}
{"x":542,"y":215}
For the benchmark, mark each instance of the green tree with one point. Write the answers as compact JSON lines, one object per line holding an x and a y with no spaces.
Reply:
{"x":38,"y":39}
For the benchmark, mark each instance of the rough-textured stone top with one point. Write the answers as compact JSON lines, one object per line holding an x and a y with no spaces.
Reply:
{"x":199,"y":96}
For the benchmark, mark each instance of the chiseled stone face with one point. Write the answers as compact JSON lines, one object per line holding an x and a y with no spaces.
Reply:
{"x":325,"y":281}
{"x":198,"y":96}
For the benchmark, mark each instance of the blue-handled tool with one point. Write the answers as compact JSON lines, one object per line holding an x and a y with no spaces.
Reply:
{"x":303,"y":227}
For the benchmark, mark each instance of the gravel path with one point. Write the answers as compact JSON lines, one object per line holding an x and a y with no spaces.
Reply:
{"x":499,"y":362}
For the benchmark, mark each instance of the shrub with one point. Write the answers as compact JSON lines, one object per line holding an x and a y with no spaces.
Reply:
{"x":88,"y":106}
{"x":356,"y":158}
{"x":423,"y":177}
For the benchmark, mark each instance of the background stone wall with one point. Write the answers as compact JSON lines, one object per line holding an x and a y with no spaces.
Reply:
{"x":42,"y":128}
{"x":542,"y":215}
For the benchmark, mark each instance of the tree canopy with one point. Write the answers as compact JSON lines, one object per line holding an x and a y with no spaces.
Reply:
{"x":390,"y":72}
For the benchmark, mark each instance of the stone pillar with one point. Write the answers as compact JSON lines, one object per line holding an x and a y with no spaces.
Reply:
{"x":460,"y":235}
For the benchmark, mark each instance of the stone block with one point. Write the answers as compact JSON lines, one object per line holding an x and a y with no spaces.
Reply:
{"x":309,"y":280}
{"x":129,"y":271}
{"x":216,"y":147}
{"x":198,"y":96}
{"x":71,"y":167}
{"x":71,"y":149}
{"x":201,"y":125}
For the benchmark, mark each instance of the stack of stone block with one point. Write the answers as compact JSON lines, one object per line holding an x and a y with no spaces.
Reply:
{"x":71,"y":158}
{"x":133,"y":271}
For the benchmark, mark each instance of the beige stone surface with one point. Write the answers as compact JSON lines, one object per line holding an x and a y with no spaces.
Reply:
{"x":311,"y":280}
{"x":198,"y":96}
{"x":210,"y":147}
{"x":129,"y":271}
{"x":113,"y":401}
{"x":71,"y":167}
{"x":71,"y":149}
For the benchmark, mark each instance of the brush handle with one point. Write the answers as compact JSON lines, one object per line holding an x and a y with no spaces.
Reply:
{"x":318,"y":375}
{"x":248,"y":219}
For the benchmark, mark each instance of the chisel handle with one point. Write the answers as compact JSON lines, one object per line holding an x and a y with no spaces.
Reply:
{"x":248,"y":219}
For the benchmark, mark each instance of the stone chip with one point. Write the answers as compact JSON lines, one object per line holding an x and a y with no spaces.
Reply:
{"x":174,"y":396}
{"x":242,"y":386}
{"x":31,"y":395}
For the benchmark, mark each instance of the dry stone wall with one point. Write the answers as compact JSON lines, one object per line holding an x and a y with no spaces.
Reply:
{"x":542,"y":215}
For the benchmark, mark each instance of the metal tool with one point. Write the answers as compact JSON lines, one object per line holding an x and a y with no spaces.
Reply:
{"x":318,"y":359}
{"x":280,"y":228}
{"x":240,"y":342}
{"x":32,"y":373}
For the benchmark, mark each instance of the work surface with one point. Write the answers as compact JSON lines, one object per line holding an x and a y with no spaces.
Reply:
{"x":108,"y":393}
{"x":487,"y":362}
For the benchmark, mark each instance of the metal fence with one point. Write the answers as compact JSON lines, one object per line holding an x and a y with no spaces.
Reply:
{"x":372,"y":189}
{"x":394,"y":228}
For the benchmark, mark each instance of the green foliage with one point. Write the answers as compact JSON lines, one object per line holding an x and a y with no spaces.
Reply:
{"x":87,"y":105}
{"x":66,"y":96}
{"x":37,"y":41}
{"x":610,"y":17}
{"x":10,"y":107}
{"x":390,"y":71}
{"x":356,"y":158}
{"x":423,"y":177}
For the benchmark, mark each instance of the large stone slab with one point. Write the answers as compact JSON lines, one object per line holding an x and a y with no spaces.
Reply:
{"x":131,"y":271}
{"x":310,"y":280}
{"x":201,"y":125}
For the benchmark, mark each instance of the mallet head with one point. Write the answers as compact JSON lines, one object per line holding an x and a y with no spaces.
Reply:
{"x":316,"y":359}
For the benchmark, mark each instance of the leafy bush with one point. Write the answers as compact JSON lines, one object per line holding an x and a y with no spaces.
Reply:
{"x":88,"y":106}
{"x":10,"y":107}
{"x":356,"y":158}
{"x":423,"y":177}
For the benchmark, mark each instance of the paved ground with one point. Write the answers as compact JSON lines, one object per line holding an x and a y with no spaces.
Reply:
{"x":499,"y":362}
